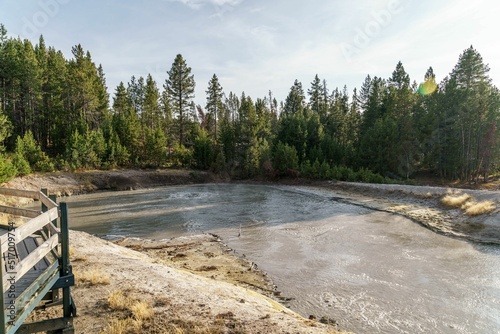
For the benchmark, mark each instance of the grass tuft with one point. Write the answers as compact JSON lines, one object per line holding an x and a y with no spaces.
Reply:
{"x":93,"y":277}
{"x":142,"y":311}
{"x":118,"y":326}
{"x":118,"y":301}
{"x":455,"y":200}
{"x":473,"y":208}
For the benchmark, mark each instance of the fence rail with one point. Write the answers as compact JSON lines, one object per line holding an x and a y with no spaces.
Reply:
{"x":34,"y":260}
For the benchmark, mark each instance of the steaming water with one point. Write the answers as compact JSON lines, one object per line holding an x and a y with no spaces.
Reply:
{"x":373,"y":272}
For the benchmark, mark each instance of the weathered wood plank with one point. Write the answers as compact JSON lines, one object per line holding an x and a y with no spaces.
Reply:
{"x":20,"y":212}
{"x":33,"y":225}
{"x":32,"y":296}
{"x":49,"y":203}
{"x":33,"y":258}
{"x":25,"y":295}
{"x":32,"y":282}
{"x":20,"y":193}
{"x":53,"y":229}
{"x":45,"y":325}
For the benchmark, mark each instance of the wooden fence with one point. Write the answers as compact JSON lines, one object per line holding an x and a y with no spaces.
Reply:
{"x":35,"y":266}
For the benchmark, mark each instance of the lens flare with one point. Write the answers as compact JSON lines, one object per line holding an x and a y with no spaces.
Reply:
{"x":427,"y":87}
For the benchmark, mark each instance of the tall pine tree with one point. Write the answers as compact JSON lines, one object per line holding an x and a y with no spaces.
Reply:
{"x":180,"y":85}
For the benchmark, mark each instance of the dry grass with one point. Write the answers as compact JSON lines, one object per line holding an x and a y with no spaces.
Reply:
{"x":118,"y":301}
{"x":467,"y":203}
{"x":93,"y":277}
{"x":118,"y":326}
{"x":79,"y":258}
{"x":142,"y":311}
{"x":455,"y":200}
{"x":74,"y":256}
{"x":473,"y":208}
{"x":178,"y":326}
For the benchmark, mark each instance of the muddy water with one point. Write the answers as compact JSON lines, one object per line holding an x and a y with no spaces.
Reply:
{"x":372,"y":272}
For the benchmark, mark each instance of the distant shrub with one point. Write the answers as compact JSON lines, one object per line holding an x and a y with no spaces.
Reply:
{"x":44,"y":165}
{"x":7,"y":169}
{"x":181,"y":156}
{"x":367,"y":176}
{"x":324,"y":170}
{"x":21,"y":164}
{"x":203,"y":154}
{"x":284,"y":157}
{"x":219,"y":166}
{"x":28,"y":156}
{"x":306,"y":169}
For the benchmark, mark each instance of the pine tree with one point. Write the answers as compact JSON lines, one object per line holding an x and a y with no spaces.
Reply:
{"x":214,"y":104}
{"x":426,"y":122}
{"x":475,"y":114}
{"x":180,"y":85}
{"x":318,"y":97}
{"x":399,"y":104}
{"x":136,"y":91}
{"x":5,"y":129}
{"x":364,"y":93}
{"x":151,"y":116}
{"x":54,"y":99}
{"x":84,"y":91}
{"x":295,"y":100}
{"x":126,"y":123}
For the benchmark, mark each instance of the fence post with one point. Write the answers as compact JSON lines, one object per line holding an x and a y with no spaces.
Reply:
{"x":68,"y":307}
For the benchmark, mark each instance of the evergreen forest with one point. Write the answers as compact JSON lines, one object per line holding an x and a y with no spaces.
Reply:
{"x":56,"y":114}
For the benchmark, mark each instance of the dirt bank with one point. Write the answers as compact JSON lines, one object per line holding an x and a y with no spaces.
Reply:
{"x":422,"y":204}
{"x":186,"y":285}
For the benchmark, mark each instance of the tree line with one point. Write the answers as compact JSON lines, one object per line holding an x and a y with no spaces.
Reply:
{"x":56,"y":114}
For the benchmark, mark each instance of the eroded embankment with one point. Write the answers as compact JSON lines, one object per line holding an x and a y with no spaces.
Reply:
{"x":423,"y":205}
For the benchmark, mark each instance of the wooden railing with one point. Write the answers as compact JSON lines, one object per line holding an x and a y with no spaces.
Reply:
{"x":27,"y":279}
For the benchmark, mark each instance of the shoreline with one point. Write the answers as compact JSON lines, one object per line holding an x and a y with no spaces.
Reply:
{"x":421,"y":204}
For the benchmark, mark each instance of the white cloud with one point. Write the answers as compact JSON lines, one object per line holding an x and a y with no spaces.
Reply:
{"x":197,"y":4}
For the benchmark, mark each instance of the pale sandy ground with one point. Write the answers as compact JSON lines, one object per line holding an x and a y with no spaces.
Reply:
{"x":197,"y":282}
{"x":179,"y":297}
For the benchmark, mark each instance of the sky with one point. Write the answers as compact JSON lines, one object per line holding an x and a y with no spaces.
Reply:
{"x":260,"y":45}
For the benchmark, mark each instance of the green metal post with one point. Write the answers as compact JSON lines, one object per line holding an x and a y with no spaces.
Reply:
{"x":65,"y":268}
